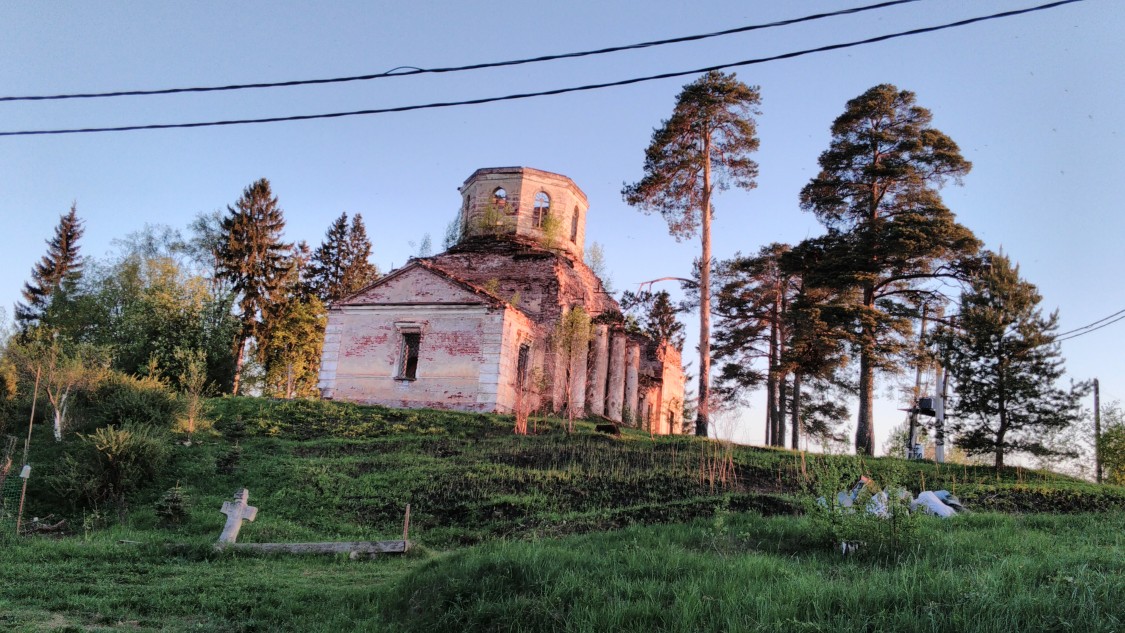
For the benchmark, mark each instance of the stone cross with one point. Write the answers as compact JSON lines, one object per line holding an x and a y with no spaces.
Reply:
{"x":236,"y":512}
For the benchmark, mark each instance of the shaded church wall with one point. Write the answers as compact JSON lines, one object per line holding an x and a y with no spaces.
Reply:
{"x":459,"y":355}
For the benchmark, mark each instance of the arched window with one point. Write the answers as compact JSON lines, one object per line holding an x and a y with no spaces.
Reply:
{"x":500,"y":197}
{"x":542,"y":208}
{"x":574,"y":226}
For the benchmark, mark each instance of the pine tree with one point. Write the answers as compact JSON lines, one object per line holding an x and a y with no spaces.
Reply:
{"x":1005,"y":362}
{"x":57,"y":273}
{"x":705,"y":146}
{"x":341,"y":265}
{"x":888,"y":230}
{"x":254,"y":260}
{"x":752,"y":302}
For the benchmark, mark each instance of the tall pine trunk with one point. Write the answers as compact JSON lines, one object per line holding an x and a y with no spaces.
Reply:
{"x":864,"y":427}
{"x":771,"y":390}
{"x":865,"y":431}
{"x":782,"y":385}
{"x":703,"y":414}
{"x":795,"y":421}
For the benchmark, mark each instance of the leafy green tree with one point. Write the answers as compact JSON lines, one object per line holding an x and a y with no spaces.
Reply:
{"x":62,"y":369}
{"x":425,"y":247}
{"x":56,"y":273}
{"x":291,"y":352}
{"x":888,"y":231}
{"x":193,"y":381}
{"x":572,"y":334}
{"x":143,"y":304}
{"x":705,"y":146}
{"x":1113,"y":444}
{"x":341,"y":264}
{"x":290,"y":345}
{"x":254,"y":260}
{"x":1005,"y":362}
{"x":594,"y":257}
{"x":453,"y":231}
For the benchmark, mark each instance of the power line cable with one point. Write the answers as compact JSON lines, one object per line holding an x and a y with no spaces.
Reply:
{"x":407,"y":71}
{"x":544,"y":93}
{"x":1089,"y":325}
{"x":1059,"y":339}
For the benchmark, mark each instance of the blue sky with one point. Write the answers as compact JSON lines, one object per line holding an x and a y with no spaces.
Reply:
{"x":1036,"y":102}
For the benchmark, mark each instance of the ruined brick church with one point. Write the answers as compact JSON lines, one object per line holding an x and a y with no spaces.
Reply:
{"x":472,"y":329}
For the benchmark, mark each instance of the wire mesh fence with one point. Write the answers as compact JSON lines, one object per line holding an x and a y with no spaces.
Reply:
{"x":11,"y":483}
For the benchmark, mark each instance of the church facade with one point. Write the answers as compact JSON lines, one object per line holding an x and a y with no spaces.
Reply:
{"x":476,"y":328}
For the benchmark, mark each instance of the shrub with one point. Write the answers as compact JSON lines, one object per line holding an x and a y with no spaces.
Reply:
{"x":878,"y":520}
{"x":109,"y":465}
{"x":192,"y":418}
{"x":172,"y":508}
{"x":227,"y":463}
{"x":1113,"y":452}
{"x":123,"y":400}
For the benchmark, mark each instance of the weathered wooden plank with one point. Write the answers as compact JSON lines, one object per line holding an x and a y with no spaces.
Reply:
{"x":349,"y":547}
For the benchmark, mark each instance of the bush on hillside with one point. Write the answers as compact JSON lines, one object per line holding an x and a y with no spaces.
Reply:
{"x":123,"y":400}
{"x":878,"y":521}
{"x":173,"y":508}
{"x":108,"y":466}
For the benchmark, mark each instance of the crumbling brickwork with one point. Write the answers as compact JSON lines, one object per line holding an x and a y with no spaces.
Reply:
{"x":447,"y":331}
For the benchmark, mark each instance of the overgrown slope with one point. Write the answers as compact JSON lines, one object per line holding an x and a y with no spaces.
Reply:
{"x":653,"y":536}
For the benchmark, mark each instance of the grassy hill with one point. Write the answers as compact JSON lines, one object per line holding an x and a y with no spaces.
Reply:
{"x":554,"y":531}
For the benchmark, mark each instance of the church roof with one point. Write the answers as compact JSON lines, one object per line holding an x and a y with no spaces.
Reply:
{"x":485,"y":296}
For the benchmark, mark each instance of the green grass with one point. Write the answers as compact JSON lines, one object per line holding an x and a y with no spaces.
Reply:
{"x":551,"y":532}
{"x":981,"y":572}
{"x":745,"y":573}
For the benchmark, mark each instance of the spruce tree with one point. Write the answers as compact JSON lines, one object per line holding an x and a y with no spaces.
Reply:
{"x":704,"y":146}
{"x":359,"y":271}
{"x":56,"y":273}
{"x":888,"y":230}
{"x":341,"y":264}
{"x":254,"y":260}
{"x":661,"y":322}
{"x":1006,"y":364}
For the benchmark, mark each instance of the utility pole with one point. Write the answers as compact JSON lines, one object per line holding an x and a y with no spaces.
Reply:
{"x":939,"y":424}
{"x":912,"y":435}
{"x":1097,"y":433}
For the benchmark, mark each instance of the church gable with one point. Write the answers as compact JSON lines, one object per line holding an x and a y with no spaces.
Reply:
{"x":418,"y":284}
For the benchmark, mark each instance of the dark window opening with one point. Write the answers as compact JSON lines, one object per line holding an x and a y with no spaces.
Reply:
{"x":408,"y":367}
{"x":574,"y":226}
{"x":522,"y":365}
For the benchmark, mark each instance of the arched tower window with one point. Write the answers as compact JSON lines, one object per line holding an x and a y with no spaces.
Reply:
{"x":574,"y":226}
{"x":500,"y":197}
{"x":542,"y":208}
